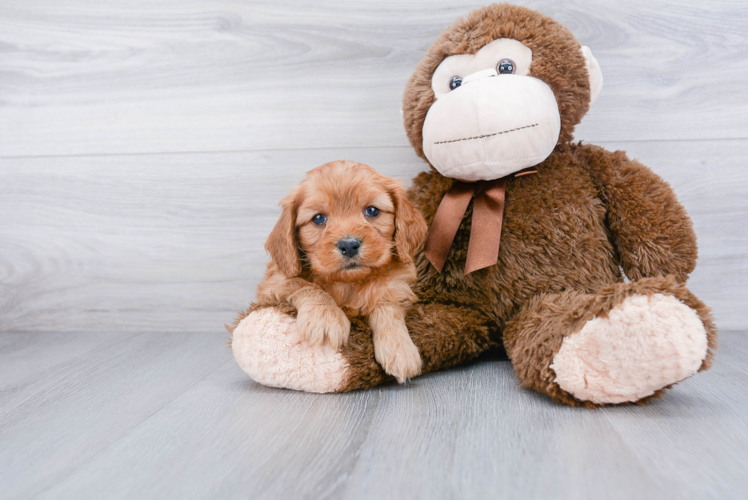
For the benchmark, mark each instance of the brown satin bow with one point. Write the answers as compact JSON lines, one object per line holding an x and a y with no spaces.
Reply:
{"x":485,"y":233}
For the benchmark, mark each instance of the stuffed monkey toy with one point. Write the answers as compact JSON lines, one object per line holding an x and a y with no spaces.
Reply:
{"x":530,"y":235}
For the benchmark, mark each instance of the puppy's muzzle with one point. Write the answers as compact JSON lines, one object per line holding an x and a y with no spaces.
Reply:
{"x":349,"y":247}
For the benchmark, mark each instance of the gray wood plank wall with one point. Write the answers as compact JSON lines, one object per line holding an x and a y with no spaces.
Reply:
{"x":144,"y":147}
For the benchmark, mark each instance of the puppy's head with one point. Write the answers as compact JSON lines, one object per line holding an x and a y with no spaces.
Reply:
{"x":348,"y":221}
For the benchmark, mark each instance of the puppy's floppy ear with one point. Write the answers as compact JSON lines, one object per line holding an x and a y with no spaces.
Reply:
{"x":410,"y":226}
{"x":281,"y":244}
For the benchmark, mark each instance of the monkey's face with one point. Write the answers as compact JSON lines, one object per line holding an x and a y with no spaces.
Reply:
{"x":506,"y":86}
{"x":490,"y":119}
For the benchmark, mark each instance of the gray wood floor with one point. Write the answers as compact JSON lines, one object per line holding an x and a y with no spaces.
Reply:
{"x":143,"y":150}
{"x":170,"y":415}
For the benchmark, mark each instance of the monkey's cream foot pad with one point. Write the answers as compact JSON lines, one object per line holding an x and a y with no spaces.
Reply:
{"x":267,"y":346}
{"x":645,"y":344}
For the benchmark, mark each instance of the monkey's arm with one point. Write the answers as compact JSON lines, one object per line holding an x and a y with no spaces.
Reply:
{"x":649,"y":227}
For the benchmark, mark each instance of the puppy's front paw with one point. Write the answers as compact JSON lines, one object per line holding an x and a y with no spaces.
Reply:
{"x":397,"y":354}
{"x":318,"y":324}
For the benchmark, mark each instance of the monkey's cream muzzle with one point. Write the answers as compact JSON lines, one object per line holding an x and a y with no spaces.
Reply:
{"x":491,"y":126}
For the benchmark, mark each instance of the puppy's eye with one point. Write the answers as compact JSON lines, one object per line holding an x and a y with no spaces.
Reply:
{"x":455,"y":82}
{"x":372,"y":211}
{"x":319,"y":219}
{"x":505,"y":67}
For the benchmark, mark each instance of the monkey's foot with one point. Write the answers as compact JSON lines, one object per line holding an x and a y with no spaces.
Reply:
{"x":645,"y":343}
{"x":267,"y":346}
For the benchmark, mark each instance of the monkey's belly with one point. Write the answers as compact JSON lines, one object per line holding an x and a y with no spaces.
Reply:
{"x":554,"y":248}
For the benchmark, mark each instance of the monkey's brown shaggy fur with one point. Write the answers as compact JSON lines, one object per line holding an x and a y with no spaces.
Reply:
{"x":568,"y":231}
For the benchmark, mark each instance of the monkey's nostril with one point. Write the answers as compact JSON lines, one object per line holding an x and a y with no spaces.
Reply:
{"x":349,"y":246}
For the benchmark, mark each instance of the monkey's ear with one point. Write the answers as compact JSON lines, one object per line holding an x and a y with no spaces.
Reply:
{"x":596,"y":76}
{"x":410,"y":226}
{"x":281,"y":244}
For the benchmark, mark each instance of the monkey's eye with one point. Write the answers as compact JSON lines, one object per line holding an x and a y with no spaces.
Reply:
{"x":506,"y":67}
{"x":319,"y":219}
{"x":455,"y":82}
{"x":372,"y":211}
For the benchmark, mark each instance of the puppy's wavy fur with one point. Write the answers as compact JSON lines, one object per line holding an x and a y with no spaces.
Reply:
{"x":309,"y":271}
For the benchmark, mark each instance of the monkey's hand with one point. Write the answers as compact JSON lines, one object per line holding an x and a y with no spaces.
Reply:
{"x":319,"y":319}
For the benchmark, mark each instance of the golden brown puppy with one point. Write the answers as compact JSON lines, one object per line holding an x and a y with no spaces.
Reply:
{"x":345,"y":241}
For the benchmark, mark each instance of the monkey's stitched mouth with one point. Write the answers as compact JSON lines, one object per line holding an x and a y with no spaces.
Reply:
{"x":487,"y":135}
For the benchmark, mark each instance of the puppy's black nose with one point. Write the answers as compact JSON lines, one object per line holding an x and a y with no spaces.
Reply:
{"x":349,"y":246}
